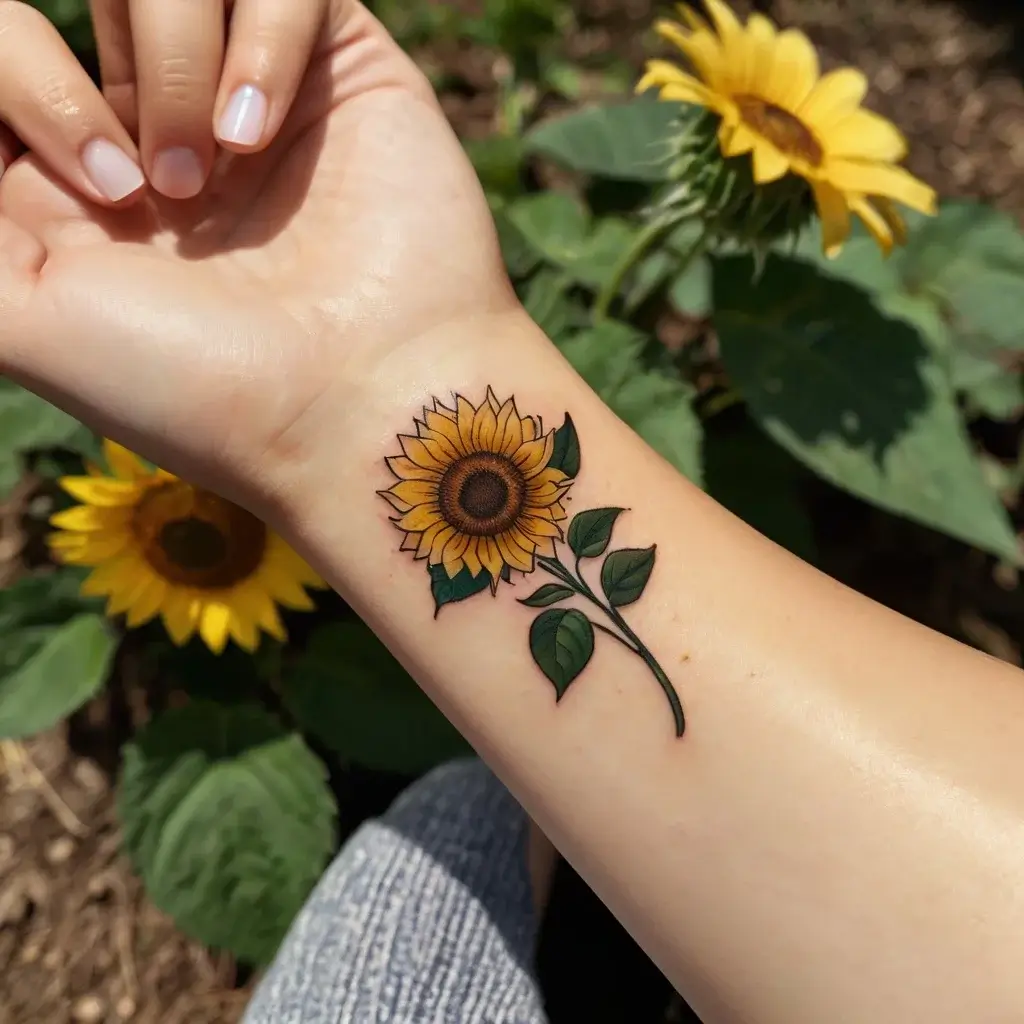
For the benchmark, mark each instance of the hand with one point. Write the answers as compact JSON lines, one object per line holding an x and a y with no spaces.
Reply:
{"x":225,"y":335}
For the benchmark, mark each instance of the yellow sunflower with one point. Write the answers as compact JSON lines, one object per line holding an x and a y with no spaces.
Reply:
{"x":475,"y":490}
{"x":775,"y":105}
{"x":160,"y":546}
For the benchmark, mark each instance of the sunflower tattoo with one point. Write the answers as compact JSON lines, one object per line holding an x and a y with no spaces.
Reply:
{"x":479,"y":494}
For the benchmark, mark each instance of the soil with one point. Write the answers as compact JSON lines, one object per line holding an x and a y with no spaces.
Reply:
{"x":78,"y":939}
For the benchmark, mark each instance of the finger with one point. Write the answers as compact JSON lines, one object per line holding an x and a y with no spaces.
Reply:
{"x":113,"y":31}
{"x":52,"y":105}
{"x":10,"y":148}
{"x":179,"y":50}
{"x":269,"y":49}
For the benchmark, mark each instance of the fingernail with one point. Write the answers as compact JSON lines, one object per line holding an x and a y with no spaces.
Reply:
{"x":177,"y":173}
{"x":111,"y":170}
{"x":244,"y":117}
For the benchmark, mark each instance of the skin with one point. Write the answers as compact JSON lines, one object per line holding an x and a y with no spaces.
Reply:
{"x":836,"y":838}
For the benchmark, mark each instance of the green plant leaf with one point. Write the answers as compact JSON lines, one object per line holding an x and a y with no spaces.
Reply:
{"x":591,"y":531}
{"x":58,"y":670}
{"x":627,"y":141}
{"x":348,"y":690}
{"x":655,"y":401}
{"x":550,"y":593}
{"x":27,"y":423}
{"x":497,"y":160}
{"x":625,"y":574}
{"x":971,"y":260}
{"x":561,"y":642}
{"x":547,"y":299}
{"x":519,"y":255}
{"x":566,"y":453}
{"x":554,"y":224}
{"x":857,"y":396}
{"x":447,"y":590}
{"x":229,"y":820}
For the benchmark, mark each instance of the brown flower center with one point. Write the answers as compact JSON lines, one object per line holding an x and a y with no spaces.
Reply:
{"x":482,"y":494}
{"x":197,"y":539}
{"x":780,"y":127}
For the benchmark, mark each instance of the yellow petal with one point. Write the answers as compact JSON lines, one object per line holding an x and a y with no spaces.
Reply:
{"x":148,"y":603}
{"x":438,"y":445}
{"x":508,"y":431}
{"x":416,"y":492}
{"x":465,"y":414}
{"x":406,"y":469}
{"x":88,"y":548}
{"x":682,"y":87}
{"x":834,"y":216}
{"x":726,"y":23}
{"x":442,"y":410}
{"x":410,"y":542}
{"x":701,"y":48}
{"x":116,"y":575}
{"x":89,"y":518}
{"x":515,"y":555}
{"x":421,"y":518}
{"x":180,"y":615}
{"x":897,"y":225}
{"x":769,"y":163}
{"x":836,"y":95}
{"x":451,"y":557}
{"x":437,"y":547}
{"x":243,"y":630}
{"x":293,"y":563}
{"x":485,"y":426}
{"x":132,"y":590}
{"x":425,"y":454}
{"x":545,"y":547}
{"x":533,"y":457}
{"x":445,"y":426}
{"x":490,"y":557}
{"x":531,"y":428}
{"x":533,"y":527}
{"x":761,"y":55}
{"x":395,"y":502}
{"x":100,"y":491}
{"x":427,"y":538}
{"x":123,"y":463}
{"x":471,"y":558}
{"x":874,"y":222}
{"x":288,"y":592}
{"x":737,"y":140}
{"x":795,"y":70}
{"x":268,"y":618}
{"x":864,"y":135}
{"x":492,"y":400}
{"x":874,"y":179}
{"x":214,"y":622}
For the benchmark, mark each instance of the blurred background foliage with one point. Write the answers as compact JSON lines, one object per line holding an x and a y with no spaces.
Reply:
{"x":865,"y":414}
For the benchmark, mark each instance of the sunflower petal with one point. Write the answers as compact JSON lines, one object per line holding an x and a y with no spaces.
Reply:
{"x":100,"y":491}
{"x":865,"y":135}
{"x":416,"y":492}
{"x":287,"y":591}
{"x":114,"y":576}
{"x":533,"y":457}
{"x":874,"y":179}
{"x":427,"y":538}
{"x":893,"y":217}
{"x":442,"y":410}
{"x":834,"y":215}
{"x":406,"y":469}
{"x":533,"y":526}
{"x":420,"y":518}
{"x":91,"y":518}
{"x":180,"y":615}
{"x":492,"y":400}
{"x":490,"y":557}
{"x":465,"y":413}
{"x":770,"y":163}
{"x":123,"y":464}
{"x":702,"y":49}
{"x":423,"y":453}
{"x":445,"y":426}
{"x":147,"y":603}
{"x":439,"y":445}
{"x":471,"y":558}
{"x":485,"y":425}
{"x":244,"y":630}
{"x":88,"y":548}
{"x":440,"y":541}
{"x":736,"y":140}
{"x":452,"y":556}
{"x":837,"y":94}
{"x":681,"y":87}
{"x":876,"y":224}
{"x":514,"y":554}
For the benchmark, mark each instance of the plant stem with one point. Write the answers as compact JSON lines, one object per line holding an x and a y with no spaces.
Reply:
{"x":628,"y":639}
{"x":646,"y":237}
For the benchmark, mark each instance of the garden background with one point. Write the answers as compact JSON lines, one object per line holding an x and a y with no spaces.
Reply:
{"x":876,"y":432}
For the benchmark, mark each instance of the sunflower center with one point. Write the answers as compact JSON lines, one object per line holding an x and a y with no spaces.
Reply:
{"x":197,"y":539}
{"x":482,"y":494}
{"x":785,"y":130}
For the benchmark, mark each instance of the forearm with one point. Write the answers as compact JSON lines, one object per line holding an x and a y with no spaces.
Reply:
{"x":836,"y":835}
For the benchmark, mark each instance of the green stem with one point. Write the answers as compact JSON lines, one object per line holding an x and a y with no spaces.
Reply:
{"x":557,"y":569}
{"x":646,"y":237}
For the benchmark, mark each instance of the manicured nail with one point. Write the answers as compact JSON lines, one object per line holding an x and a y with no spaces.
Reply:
{"x":177,"y":173}
{"x":111,"y":170}
{"x":244,"y":117}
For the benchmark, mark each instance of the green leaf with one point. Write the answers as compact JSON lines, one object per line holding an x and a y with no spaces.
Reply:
{"x":348,"y":690}
{"x":229,"y":820}
{"x":627,"y":141}
{"x":755,"y":479}
{"x":625,"y":574}
{"x":27,"y":423}
{"x":655,"y":401}
{"x":447,"y":590}
{"x":991,"y":390}
{"x":591,"y":531}
{"x":547,"y":299}
{"x":497,"y":160}
{"x":971,"y":260}
{"x":60,"y":669}
{"x":550,"y":593}
{"x":561,"y":642}
{"x":566,"y":453}
{"x":554,"y":224}
{"x":855,"y":395}
{"x":519,"y":255}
